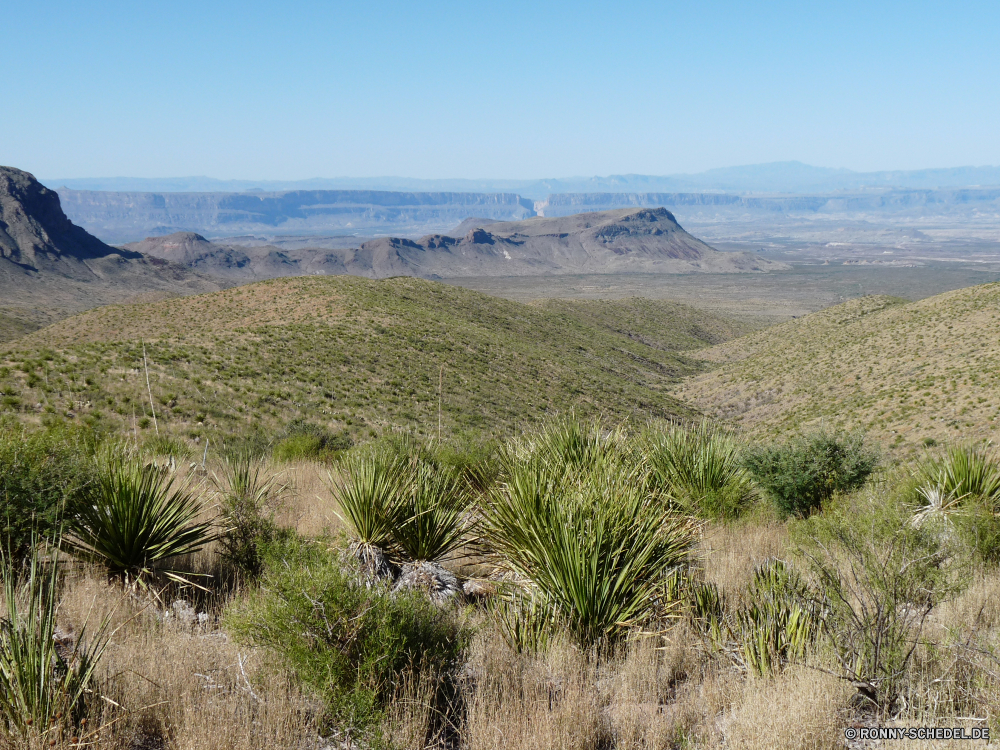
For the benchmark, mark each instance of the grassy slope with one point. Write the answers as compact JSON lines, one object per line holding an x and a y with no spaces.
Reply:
{"x":903,"y":371}
{"x":346,"y":351}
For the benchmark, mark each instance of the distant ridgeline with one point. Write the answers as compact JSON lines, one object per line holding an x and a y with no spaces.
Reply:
{"x":120,"y":217}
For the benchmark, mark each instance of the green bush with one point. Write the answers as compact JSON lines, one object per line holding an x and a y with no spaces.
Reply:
{"x":303,"y":440}
{"x":249,"y":499}
{"x":347,"y":639}
{"x":802,"y":473}
{"x":701,"y":467}
{"x":880,"y":576}
{"x":39,"y":473}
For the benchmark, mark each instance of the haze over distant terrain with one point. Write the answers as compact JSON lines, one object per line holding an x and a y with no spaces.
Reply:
{"x":776,"y":177}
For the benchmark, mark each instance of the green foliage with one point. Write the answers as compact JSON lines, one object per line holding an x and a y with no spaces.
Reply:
{"x":43,"y":688}
{"x":39,"y":473}
{"x":132,"y":521}
{"x":965,"y":471}
{"x":880,"y":576}
{"x":165,"y":445}
{"x":801,"y":474}
{"x":526,"y":622}
{"x":576,"y":518}
{"x":701,"y":467}
{"x":433,"y":513}
{"x":778,"y":624}
{"x":398,"y":496}
{"x":248,"y":498}
{"x":303,"y":440}
{"x":348,"y":640}
{"x":369,"y":490}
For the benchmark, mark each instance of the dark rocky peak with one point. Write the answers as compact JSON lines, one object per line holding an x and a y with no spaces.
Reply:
{"x":480,"y":236}
{"x":34,"y":231}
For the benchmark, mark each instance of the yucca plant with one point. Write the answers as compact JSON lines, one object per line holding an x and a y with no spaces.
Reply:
{"x":249,"y":494}
{"x":432,"y":518}
{"x":43,"y":688}
{"x":966,"y":471}
{"x":370,"y":488}
{"x":592,"y":541}
{"x":701,"y":467}
{"x":132,"y":521}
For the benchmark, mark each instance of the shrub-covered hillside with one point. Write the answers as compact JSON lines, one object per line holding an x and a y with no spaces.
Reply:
{"x":355,"y":354}
{"x":906,"y":372}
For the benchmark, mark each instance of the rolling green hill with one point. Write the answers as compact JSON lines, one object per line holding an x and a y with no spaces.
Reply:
{"x":906,"y":372}
{"x":355,"y":354}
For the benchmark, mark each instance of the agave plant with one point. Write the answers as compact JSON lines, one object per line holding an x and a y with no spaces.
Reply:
{"x":592,"y":542}
{"x":43,"y":688}
{"x":701,"y":467}
{"x":133,"y":521}
{"x":938,"y":507}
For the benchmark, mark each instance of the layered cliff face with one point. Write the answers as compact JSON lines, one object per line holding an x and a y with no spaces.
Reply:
{"x":46,"y":260}
{"x":622,"y":241}
{"x":125,"y":217}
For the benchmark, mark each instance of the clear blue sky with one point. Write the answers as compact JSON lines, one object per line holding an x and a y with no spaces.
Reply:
{"x":291,"y":90}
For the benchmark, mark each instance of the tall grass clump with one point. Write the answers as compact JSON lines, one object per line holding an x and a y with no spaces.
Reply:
{"x":44,"y":685}
{"x":701,"y":467}
{"x":249,"y":495}
{"x":583,"y":529}
{"x":132,"y":521}
{"x":806,"y":471}
{"x":40,"y":472}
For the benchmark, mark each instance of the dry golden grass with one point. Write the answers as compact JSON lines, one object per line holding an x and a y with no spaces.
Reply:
{"x":172,"y":682}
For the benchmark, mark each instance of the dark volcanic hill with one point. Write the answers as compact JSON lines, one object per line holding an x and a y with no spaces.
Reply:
{"x":47,"y":261}
{"x":636,"y":240}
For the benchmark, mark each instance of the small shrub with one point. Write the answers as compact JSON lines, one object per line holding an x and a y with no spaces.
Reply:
{"x":348,"y":640}
{"x":801,"y":474}
{"x":307,"y":441}
{"x":40,"y":472}
{"x":880,"y":576}
{"x":249,"y":500}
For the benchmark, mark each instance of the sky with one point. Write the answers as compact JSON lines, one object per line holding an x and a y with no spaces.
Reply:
{"x":503,"y":90}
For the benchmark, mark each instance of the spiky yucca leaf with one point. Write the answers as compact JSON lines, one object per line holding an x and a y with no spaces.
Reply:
{"x":132,"y":521}
{"x":370,"y":489}
{"x":966,"y":471}
{"x":701,"y":467}
{"x":38,"y":683}
{"x":433,"y":514}
{"x":593,"y":541}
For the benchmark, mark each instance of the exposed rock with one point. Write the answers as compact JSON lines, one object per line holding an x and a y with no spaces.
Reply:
{"x":439,"y":584}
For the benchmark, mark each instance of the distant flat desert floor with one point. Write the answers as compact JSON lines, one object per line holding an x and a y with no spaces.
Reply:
{"x":761,"y":298}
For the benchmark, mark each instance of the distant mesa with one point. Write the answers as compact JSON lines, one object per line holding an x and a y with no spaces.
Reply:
{"x":632,"y":240}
